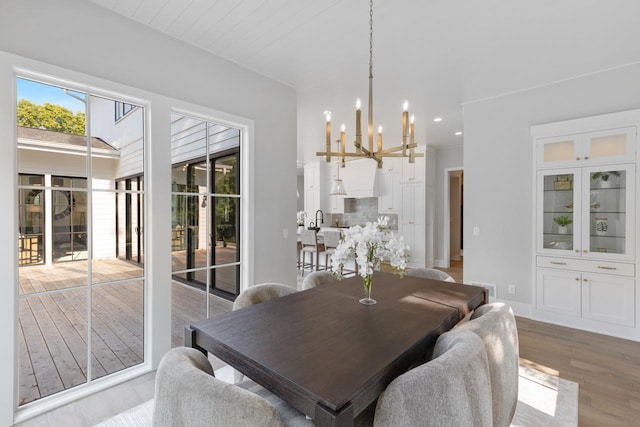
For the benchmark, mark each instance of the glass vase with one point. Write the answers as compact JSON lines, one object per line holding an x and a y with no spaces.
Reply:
{"x":367,"y":300}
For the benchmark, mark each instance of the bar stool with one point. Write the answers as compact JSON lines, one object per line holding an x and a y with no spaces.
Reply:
{"x":331,"y":242}
{"x":310,"y":245}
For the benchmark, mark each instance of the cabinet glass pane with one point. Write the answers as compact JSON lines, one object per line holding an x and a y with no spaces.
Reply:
{"x":558,"y":212}
{"x":607,"y":214}
{"x":609,"y":146}
{"x":559,"y":151}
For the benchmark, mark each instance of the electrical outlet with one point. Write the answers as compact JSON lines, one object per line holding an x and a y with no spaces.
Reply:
{"x":285,"y":233}
{"x":511,"y":289}
{"x":476,"y":231}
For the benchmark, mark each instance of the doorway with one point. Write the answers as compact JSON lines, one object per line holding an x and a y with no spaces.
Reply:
{"x":453,"y":241}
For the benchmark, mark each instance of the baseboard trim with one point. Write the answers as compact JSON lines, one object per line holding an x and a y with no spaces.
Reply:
{"x":440,"y":263}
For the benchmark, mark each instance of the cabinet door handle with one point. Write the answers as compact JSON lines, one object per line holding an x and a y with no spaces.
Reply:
{"x":586,"y":157}
{"x":577,"y":251}
{"x":585,"y":251}
{"x":577,"y":158}
{"x":577,"y":279}
{"x":604,"y":267}
{"x":557,"y":263}
{"x":585,"y":280}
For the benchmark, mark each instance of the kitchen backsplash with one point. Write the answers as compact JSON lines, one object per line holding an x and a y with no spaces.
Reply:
{"x":360,"y":211}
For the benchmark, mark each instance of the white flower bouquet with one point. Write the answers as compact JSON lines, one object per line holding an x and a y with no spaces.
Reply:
{"x":371,"y":245}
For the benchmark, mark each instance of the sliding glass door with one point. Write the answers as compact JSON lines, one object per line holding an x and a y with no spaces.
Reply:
{"x":205,"y":217}
{"x":81,"y":307}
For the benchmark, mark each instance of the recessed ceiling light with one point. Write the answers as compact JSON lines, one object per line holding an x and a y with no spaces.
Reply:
{"x":458,"y":133}
{"x":437,"y":119}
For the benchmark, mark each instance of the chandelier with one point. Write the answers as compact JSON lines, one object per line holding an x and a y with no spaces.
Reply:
{"x":371,"y":152}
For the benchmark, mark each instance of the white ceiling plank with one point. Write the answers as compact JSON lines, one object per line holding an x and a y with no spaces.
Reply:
{"x":127,"y":7}
{"x":441,"y":53}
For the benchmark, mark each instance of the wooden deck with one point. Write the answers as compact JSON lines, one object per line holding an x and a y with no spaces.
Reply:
{"x":52,"y":333}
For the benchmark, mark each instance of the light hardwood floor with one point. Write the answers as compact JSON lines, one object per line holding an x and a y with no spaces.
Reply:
{"x":606,"y":369}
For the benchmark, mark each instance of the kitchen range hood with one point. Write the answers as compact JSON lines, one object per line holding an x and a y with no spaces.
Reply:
{"x":360,"y":179}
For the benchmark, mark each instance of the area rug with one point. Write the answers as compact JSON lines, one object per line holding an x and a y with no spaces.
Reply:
{"x":543,"y":401}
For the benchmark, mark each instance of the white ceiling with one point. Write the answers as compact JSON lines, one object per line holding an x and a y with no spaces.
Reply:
{"x":437,"y":54}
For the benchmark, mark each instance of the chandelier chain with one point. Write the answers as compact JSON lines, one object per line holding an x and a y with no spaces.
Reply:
{"x":370,"y":38}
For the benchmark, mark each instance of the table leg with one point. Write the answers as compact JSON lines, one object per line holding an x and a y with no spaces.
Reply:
{"x":326,"y":417}
{"x":190,"y":339}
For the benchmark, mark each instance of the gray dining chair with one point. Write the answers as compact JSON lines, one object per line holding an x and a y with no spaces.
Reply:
{"x":318,"y":278}
{"x":429,"y":273}
{"x":260,"y":293}
{"x":187,"y":394}
{"x":452,"y":389}
{"x":495,"y":324}
{"x":257,"y":294}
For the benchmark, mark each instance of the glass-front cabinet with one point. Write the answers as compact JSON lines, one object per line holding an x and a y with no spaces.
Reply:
{"x":587,"y":212}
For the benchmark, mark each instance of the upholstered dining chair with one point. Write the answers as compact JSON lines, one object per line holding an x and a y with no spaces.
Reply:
{"x":257,"y":294}
{"x":452,"y":389}
{"x":331,"y":241}
{"x":429,"y":273}
{"x":318,"y":278}
{"x":260,"y":293}
{"x":311,"y":246}
{"x":495,"y":324}
{"x":187,"y":394}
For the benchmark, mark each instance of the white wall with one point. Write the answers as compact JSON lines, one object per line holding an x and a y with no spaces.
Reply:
{"x":446,"y":158}
{"x":498,"y":170}
{"x":92,"y":44}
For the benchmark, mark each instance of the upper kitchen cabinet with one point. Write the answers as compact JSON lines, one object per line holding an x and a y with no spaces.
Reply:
{"x":388,"y":188}
{"x":605,"y":139}
{"x":413,"y":172}
{"x":312,"y":176}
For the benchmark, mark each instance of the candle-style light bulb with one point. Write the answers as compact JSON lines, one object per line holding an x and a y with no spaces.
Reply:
{"x":405,"y":125}
{"x":342,"y":128}
{"x":358,"y":126}
{"x":413,"y":119}
{"x":379,"y":143}
{"x":328,"y":116}
{"x":379,"y":129}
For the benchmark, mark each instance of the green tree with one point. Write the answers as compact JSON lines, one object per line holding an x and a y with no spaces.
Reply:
{"x":50,"y":116}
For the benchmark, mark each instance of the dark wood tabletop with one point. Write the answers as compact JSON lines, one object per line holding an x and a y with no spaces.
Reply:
{"x":328,"y":355}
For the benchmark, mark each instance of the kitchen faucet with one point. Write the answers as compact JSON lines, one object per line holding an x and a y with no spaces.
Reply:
{"x":321,"y":217}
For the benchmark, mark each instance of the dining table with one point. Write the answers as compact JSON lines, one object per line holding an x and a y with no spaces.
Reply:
{"x":328,"y":355}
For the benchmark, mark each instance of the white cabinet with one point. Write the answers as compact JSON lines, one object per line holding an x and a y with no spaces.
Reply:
{"x":412,"y":221}
{"x":585,"y":223}
{"x":589,"y":148}
{"x":598,"y":297}
{"x":412,"y":172}
{"x":389,"y":186}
